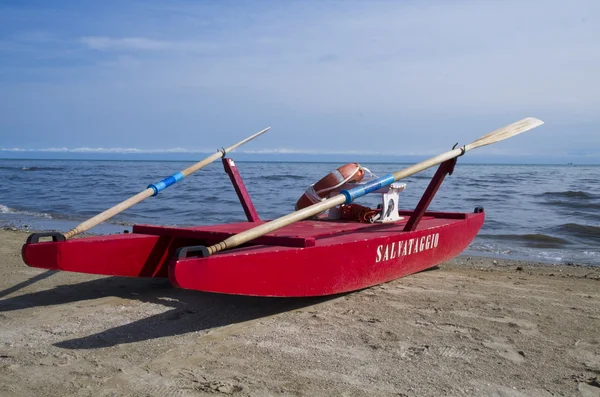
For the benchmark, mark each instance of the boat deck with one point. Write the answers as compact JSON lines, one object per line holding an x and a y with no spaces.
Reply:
{"x":301,"y":234}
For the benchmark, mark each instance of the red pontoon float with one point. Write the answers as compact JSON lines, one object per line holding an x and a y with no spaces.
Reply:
{"x":311,"y":257}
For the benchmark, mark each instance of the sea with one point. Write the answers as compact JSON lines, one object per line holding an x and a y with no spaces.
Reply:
{"x":545,"y":213}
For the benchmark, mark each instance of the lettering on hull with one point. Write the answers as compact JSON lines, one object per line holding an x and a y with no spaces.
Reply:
{"x":386,"y":252}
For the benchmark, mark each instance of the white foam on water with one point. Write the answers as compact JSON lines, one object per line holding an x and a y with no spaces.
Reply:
{"x":7,"y":210}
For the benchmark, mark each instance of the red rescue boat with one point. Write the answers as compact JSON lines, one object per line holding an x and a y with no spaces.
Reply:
{"x":308,"y":258}
{"x":305,"y":253}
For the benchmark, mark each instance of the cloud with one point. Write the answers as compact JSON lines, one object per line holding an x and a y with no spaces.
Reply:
{"x":103,"y":43}
{"x":48,"y":150}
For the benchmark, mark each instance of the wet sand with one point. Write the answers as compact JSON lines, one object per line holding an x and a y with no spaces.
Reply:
{"x":471,"y":327}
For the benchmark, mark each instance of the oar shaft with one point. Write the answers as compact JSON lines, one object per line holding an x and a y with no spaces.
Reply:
{"x":176,"y":177}
{"x":154,"y":188}
{"x":343,"y":198}
{"x":109,"y":213}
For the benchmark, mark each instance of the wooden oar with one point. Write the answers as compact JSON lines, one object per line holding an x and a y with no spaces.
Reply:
{"x":154,"y":188}
{"x":347,"y":196}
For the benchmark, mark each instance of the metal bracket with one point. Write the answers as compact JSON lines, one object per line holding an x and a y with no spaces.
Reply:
{"x":390,"y":203}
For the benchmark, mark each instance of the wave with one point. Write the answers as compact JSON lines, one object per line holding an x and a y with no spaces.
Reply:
{"x":536,"y":240}
{"x":32,"y":168}
{"x":41,"y":168}
{"x":420,"y":177}
{"x":577,"y":194}
{"x":483,"y":200}
{"x":586,"y":232}
{"x":7,"y":210}
{"x":573,"y":205}
{"x":589,"y":216}
{"x":61,"y":217}
{"x":479,"y":184}
{"x":494,"y":224}
{"x":283,"y":177}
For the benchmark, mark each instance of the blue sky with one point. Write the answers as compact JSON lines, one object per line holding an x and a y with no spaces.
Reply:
{"x":404,"y":78}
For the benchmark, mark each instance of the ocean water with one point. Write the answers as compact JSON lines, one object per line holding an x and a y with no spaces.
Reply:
{"x":536,"y":212}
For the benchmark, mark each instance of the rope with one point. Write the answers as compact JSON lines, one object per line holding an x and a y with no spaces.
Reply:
{"x":358,"y":213}
{"x":312,"y":195}
{"x":371,"y":175}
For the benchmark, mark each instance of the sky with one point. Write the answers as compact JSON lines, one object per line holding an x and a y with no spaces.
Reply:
{"x":334,"y":79}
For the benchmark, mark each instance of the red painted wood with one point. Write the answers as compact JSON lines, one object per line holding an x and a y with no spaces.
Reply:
{"x":444,"y":169}
{"x":209,"y":237}
{"x":240,"y":189}
{"x":132,"y":255}
{"x":334,"y":265}
{"x":341,"y":259}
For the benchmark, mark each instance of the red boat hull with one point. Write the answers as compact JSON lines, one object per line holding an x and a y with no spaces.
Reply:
{"x":309,"y":258}
{"x":334,"y":265}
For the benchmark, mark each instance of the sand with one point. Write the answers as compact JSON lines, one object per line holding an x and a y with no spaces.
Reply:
{"x":471,"y":327}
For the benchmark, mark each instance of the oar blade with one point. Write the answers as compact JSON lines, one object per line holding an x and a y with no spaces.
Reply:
{"x":506,"y":132}
{"x":259,"y":133}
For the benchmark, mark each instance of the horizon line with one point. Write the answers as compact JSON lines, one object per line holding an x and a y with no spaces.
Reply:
{"x":466,"y":162}
{"x":120,"y":151}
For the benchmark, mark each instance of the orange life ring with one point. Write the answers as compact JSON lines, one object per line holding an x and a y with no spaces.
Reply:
{"x":351,"y":172}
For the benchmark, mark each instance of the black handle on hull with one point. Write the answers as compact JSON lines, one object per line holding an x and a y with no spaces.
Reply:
{"x":35,"y":237}
{"x":195,"y":251}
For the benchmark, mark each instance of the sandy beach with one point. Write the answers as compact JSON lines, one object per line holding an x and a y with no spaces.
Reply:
{"x":470,"y":327}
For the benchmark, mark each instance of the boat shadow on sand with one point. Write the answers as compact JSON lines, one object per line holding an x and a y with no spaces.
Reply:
{"x":191,"y":311}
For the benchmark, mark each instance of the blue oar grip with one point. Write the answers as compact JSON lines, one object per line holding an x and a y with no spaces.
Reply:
{"x":368,"y":187}
{"x":165,"y":183}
